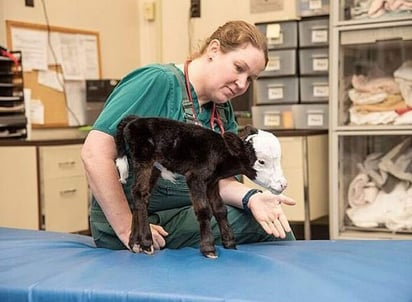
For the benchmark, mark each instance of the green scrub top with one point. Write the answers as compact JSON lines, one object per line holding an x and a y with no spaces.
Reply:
{"x":156,"y":91}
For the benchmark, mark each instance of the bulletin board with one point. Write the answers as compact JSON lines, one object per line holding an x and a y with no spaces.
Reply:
{"x":56,"y":104}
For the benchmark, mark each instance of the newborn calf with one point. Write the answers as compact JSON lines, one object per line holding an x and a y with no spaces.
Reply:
{"x":161,"y":147}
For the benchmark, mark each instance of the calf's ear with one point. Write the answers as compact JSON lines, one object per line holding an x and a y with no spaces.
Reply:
{"x":233,"y":143}
{"x":247,"y":130}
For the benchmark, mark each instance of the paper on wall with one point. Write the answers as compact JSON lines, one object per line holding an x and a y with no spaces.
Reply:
{"x":52,"y":79}
{"x":36,"y":112}
{"x":27,"y":100}
{"x":76,"y":102}
{"x":33,"y":45}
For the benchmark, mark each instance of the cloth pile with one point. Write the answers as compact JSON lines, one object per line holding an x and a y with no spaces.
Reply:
{"x":381,"y":194}
{"x":377,"y":8}
{"x":382,"y":100}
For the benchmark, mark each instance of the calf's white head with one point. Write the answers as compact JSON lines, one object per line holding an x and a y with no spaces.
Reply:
{"x":269,"y":173}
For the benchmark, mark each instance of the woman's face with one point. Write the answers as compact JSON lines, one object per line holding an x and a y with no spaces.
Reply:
{"x":232,"y":71}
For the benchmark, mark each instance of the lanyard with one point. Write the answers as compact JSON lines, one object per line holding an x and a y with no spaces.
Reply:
{"x":214,"y":115}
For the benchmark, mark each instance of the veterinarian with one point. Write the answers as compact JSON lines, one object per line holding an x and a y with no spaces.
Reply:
{"x":196,"y":92}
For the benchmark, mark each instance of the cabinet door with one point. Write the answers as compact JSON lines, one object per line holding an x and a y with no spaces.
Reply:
{"x":64,"y":194}
{"x":60,"y":161}
{"x":65,"y":204}
{"x":19,"y":188}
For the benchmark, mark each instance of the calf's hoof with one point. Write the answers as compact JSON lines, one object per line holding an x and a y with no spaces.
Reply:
{"x":210,"y":255}
{"x":230,"y":244}
{"x":209,"y":252}
{"x":148,"y":250}
{"x":138,"y":248}
{"x":135,"y":248}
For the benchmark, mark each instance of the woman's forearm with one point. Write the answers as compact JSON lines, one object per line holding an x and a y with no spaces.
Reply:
{"x":98,"y":155}
{"x":232,"y":191}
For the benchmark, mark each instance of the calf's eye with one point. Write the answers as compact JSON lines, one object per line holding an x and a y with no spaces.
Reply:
{"x":261,"y":162}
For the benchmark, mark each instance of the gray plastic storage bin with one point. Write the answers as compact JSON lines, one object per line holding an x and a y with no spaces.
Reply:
{"x":314,"y":32}
{"x":313,"y":7}
{"x":314,"y":89}
{"x":273,"y":117}
{"x":282,"y":62}
{"x":280,"y":34}
{"x":310,"y":116}
{"x":277,"y":90}
{"x":314,"y":61}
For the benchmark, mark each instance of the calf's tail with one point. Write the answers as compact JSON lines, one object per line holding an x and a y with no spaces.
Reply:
{"x":119,"y":138}
{"x":121,"y":160}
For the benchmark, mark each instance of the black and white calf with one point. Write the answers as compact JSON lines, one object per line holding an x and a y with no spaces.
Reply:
{"x":161,"y":147}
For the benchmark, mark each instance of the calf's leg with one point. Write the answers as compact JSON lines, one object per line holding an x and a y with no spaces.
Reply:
{"x":204,"y":214}
{"x":141,"y":235}
{"x":220,"y":212}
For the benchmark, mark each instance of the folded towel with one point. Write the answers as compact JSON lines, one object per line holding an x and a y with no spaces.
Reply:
{"x":387,"y":208}
{"x":405,"y":87}
{"x":400,"y":216}
{"x":391,"y":102}
{"x":361,"y":98}
{"x":375,"y":85}
{"x":361,"y":191}
{"x":404,"y":119}
{"x":359,"y":117}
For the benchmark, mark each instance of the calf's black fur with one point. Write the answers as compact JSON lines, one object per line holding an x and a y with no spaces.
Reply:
{"x":201,"y":155}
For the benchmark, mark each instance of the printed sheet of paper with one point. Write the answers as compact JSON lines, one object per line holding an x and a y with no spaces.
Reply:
{"x":33,"y":45}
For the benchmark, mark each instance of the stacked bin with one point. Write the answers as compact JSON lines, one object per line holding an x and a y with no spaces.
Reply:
{"x":277,"y":88}
{"x":12,"y":108}
{"x":312,"y":112}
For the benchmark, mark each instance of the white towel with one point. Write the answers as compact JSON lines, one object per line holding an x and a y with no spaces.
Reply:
{"x":361,"y":191}
{"x":400,"y":216}
{"x":388,"y":208}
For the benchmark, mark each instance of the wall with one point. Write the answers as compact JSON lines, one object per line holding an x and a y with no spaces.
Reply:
{"x":180,"y":33}
{"x":116,"y":21}
{"x":127,"y":39}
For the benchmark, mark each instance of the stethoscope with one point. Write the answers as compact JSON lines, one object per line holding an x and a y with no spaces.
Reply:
{"x":214,"y":118}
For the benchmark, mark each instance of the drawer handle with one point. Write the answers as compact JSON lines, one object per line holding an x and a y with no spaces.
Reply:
{"x":66,"y":164}
{"x":68,"y":191}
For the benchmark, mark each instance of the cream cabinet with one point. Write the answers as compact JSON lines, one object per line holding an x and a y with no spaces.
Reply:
{"x":63,"y":188}
{"x":43,"y":187}
{"x":305,"y":166}
{"x":19,"y":188}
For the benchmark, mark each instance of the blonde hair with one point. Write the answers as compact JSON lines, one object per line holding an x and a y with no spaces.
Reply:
{"x":235,"y":34}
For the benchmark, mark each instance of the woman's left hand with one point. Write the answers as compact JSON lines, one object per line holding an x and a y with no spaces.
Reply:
{"x":267,"y":210}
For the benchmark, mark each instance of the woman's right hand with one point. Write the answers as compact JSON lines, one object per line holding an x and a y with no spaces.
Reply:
{"x":158,"y":234}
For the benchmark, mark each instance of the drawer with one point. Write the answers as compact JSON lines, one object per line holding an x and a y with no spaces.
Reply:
{"x":308,"y":8}
{"x":64,"y":203}
{"x":280,"y":34}
{"x":314,"y":89}
{"x":273,"y":117}
{"x":314,"y":61}
{"x":310,"y":116}
{"x":277,"y":90}
{"x":281,"y":63}
{"x":314,"y":32}
{"x":60,"y":161}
